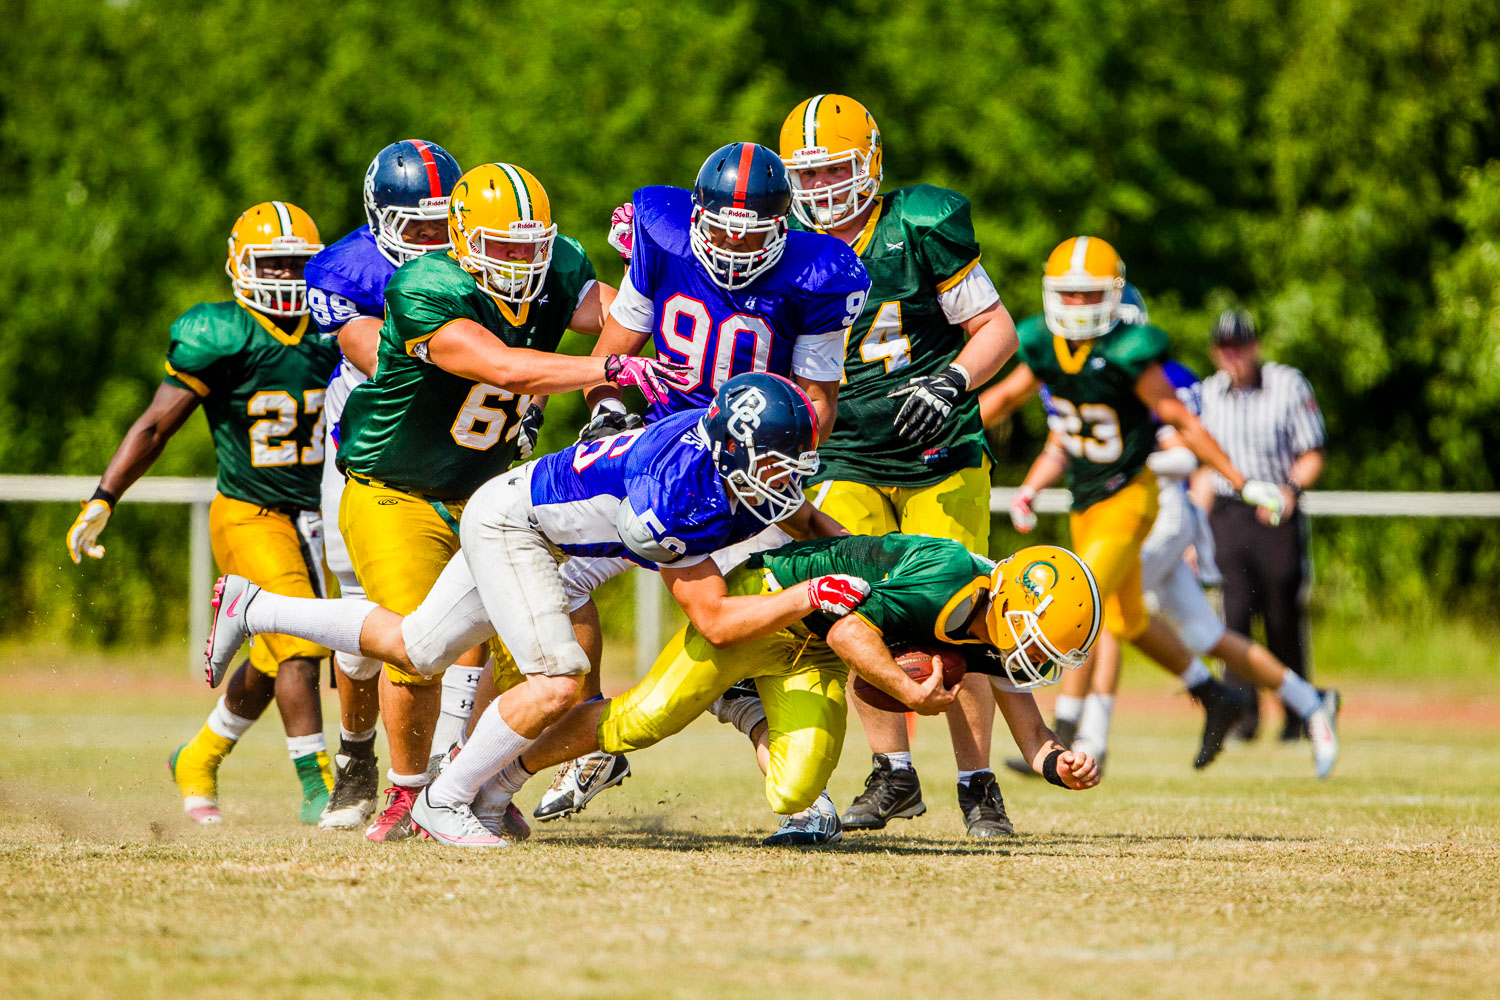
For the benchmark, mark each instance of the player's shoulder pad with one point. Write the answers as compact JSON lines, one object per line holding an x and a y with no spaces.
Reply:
{"x":1033,"y":337}
{"x":662,"y":215}
{"x":432,"y":274}
{"x":219,"y":325}
{"x":1139,"y":346}
{"x":1179,"y":374}
{"x":642,"y":538}
{"x":816,"y":263}
{"x":571,"y":264}
{"x":341,"y":258}
{"x":922,"y":207}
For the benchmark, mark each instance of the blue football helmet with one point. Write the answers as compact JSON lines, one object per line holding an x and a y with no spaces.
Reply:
{"x":742,"y":191}
{"x":1132,"y":308}
{"x":762,"y":431}
{"x":409,"y":181}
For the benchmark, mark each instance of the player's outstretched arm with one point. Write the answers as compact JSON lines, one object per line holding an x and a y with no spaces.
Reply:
{"x":1038,"y":744}
{"x":723,"y":620}
{"x":1046,"y":470}
{"x":810,"y":522}
{"x":465,"y":348}
{"x":1157,"y":392}
{"x":359,"y":339}
{"x":1004,"y":397}
{"x":614,"y":338}
{"x":863,"y":649}
{"x":141,"y":446}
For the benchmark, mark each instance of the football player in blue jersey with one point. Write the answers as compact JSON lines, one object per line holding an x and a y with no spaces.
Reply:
{"x":719,"y":282}
{"x":406,"y":189}
{"x":666,"y":497}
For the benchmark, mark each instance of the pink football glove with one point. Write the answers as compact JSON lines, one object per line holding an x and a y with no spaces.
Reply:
{"x":653,"y":377}
{"x":1022,"y":517}
{"x":622,"y":230}
{"x":837,"y":593}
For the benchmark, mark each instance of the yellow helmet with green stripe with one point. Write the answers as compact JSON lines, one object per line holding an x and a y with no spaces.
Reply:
{"x":500,"y":222}
{"x":272,"y":235}
{"x":1044,"y":613}
{"x":825,"y":131}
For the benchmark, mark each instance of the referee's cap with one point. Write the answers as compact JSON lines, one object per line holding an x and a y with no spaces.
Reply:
{"x":1234,"y":326}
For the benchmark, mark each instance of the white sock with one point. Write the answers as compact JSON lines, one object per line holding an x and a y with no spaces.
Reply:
{"x":510,"y":779}
{"x":900,"y":760}
{"x":407,"y":780}
{"x":335,"y":624}
{"x":1067,"y":708}
{"x":303,"y":746}
{"x":347,"y":737}
{"x":1195,"y":674}
{"x":1093,"y":724}
{"x":964,"y":777}
{"x":491,"y":746}
{"x":225,"y":723}
{"x":1299,"y":696}
{"x":459,"y":685}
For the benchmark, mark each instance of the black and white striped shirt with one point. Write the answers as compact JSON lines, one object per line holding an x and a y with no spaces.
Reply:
{"x":1263,"y":428}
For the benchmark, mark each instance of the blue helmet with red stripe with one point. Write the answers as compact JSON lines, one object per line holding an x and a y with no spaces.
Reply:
{"x":762,"y":432}
{"x":406,"y":198}
{"x":740,"y":203}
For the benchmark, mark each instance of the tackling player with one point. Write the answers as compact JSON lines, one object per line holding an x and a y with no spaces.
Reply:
{"x":665,"y":497}
{"x":468,"y":338}
{"x":1166,"y":576}
{"x":259,"y":373}
{"x":905,"y":453}
{"x":1038,"y":609}
{"x":717,"y":282}
{"x":1107,"y":384}
{"x":406,"y":190}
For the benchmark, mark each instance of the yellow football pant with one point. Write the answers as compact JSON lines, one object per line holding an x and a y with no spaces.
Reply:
{"x":956,"y":508}
{"x":801,"y":685}
{"x":265,"y":548}
{"x":1108,"y":538}
{"x":398,"y":544}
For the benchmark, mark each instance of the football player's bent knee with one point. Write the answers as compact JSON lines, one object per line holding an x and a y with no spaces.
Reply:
{"x":357,"y":668}
{"x":553,"y":696}
{"x":794,"y":781}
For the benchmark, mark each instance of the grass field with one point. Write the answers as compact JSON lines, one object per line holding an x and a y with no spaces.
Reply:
{"x":1249,"y":880}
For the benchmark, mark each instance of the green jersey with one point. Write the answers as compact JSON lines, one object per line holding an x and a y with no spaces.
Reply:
{"x":918,"y":246}
{"x":417,"y":428}
{"x":921,"y":588}
{"x":262,"y":391}
{"x":1106,"y":429}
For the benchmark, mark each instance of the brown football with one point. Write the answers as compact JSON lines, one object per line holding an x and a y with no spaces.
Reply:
{"x":917,"y":662}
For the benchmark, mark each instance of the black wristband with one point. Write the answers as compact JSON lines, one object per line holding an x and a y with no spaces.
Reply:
{"x":1049,"y":769}
{"x":103,"y":494}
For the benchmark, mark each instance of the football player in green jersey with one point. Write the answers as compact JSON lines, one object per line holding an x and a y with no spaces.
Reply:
{"x":1107,"y":384}
{"x":468,"y":340}
{"x":1038,"y":609}
{"x":906,"y":449}
{"x":259,"y":372}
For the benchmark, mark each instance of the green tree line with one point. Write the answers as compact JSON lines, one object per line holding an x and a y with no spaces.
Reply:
{"x":1334,"y":167}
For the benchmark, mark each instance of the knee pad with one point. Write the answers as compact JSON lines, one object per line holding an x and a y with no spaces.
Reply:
{"x":357,"y":668}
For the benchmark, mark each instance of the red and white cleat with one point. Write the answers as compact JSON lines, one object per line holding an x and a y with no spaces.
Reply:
{"x":394,"y":823}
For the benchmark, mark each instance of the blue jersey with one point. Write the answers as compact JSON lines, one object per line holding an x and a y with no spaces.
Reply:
{"x":793,"y":319}
{"x":1187,"y":384}
{"x":347,"y":280}
{"x":651,"y":495}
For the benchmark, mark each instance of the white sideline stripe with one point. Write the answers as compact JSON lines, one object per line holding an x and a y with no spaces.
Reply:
{"x":1342,"y":503}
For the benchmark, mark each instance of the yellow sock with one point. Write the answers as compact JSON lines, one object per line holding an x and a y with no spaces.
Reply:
{"x":195,"y":766}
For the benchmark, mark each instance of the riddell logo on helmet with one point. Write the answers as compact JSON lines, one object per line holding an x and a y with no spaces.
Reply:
{"x":526,"y":226}
{"x":433,"y":203}
{"x":810,"y":153}
{"x":741,"y":216}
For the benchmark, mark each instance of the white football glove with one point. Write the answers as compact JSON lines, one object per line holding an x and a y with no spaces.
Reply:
{"x":83,"y":536}
{"x":1022,"y":517}
{"x":1259,"y":493}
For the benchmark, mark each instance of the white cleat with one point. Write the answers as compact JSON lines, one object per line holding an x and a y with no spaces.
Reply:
{"x":455,"y":826}
{"x":232,"y":595}
{"x":814,"y":826}
{"x":1322,"y":729}
{"x":578,"y":781}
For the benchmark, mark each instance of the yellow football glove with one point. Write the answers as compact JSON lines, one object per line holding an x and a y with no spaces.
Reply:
{"x":83,"y":537}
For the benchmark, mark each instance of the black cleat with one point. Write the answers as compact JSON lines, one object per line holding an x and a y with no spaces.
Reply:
{"x":1222,"y":708}
{"x":983,"y":807}
{"x":888,"y":795}
{"x":356,"y":789}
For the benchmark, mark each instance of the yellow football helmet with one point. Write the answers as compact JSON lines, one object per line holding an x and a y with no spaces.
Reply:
{"x":825,"y":130}
{"x":1045,"y":599}
{"x":1083,"y":264}
{"x":501,"y":225}
{"x":271,"y":229}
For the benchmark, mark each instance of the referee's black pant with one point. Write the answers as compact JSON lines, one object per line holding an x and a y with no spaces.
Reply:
{"x":1265,"y":570}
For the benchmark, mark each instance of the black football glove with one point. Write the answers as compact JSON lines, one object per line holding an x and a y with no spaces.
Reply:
{"x":531,"y":426}
{"x":610,"y":418}
{"x":929,"y":400}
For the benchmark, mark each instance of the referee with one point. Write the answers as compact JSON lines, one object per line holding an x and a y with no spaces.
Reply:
{"x":1267,"y":420}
